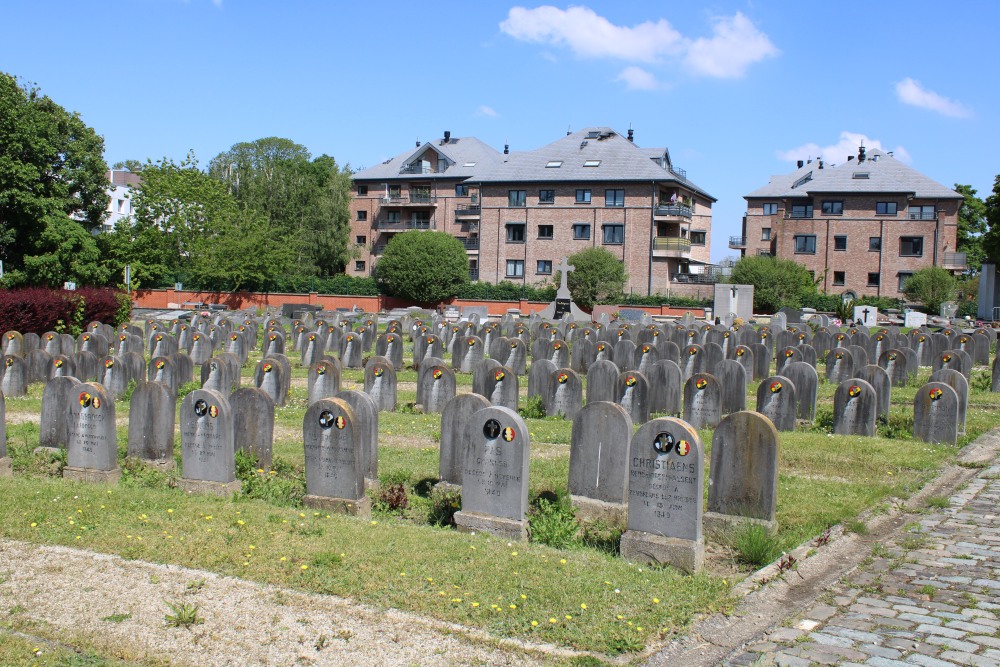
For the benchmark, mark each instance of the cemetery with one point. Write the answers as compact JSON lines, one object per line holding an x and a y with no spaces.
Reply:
{"x":592,"y":485}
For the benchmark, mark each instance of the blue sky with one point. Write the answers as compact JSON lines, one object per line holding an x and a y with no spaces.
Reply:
{"x":736,"y":90}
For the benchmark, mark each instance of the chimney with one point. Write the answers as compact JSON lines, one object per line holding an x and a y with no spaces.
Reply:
{"x":850,"y":157}
{"x":631,"y":135}
{"x":447,"y":136}
{"x":800,"y":164}
{"x":418,"y":143}
{"x":506,"y":149}
{"x":861,"y":154}
{"x":820,"y":163}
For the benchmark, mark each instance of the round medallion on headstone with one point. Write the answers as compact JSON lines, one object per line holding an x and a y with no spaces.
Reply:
{"x":630,"y":381}
{"x":326,"y":419}
{"x":509,"y":434}
{"x":437,"y":373}
{"x":692,"y":350}
{"x":562,"y":378}
{"x":85,"y":399}
{"x":267,"y":368}
{"x":200,"y":408}
{"x":498,"y":375}
{"x":213,"y":411}
{"x":491,"y":429}
{"x":377,"y":372}
{"x":701,"y":383}
{"x":854,"y":390}
{"x":775,"y":387}
{"x":663,"y":442}
{"x":936,"y":393}
{"x":109,"y":363}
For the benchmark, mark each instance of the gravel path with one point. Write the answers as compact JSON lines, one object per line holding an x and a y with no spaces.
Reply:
{"x":118,"y":606}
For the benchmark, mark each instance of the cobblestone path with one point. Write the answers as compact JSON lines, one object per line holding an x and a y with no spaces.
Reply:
{"x":929,"y":596}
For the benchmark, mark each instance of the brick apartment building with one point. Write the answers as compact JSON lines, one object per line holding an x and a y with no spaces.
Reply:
{"x":861,"y":227}
{"x":519,"y":213}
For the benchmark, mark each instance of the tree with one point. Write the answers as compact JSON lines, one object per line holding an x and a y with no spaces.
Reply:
{"x":306,"y":202}
{"x":971,"y":227}
{"x":135,"y":166}
{"x":776,"y":282}
{"x":597,"y":276}
{"x":991,"y":239}
{"x":930,"y":287}
{"x":53,"y":190}
{"x":425,"y":267}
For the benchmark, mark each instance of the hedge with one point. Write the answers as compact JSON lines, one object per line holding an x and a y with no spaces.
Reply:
{"x":39,"y":309}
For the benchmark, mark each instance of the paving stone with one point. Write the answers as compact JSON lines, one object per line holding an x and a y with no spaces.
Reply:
{"x":821,"y":612}
{"x":927,"y":661}
{"x":876,"y":661}
{"x":993,"y":642}
{"x":969,"y":659}
{"x":940,"y":630}
{"x":785,"y":635}
{"x":969,"y":627}
{"x":953,"y":644}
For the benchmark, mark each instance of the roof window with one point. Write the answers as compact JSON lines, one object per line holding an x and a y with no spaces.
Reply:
{"x":469,"y":164}
{"x":592,"y":163}
{"x":862,"y":174}
{"x":553,"y":164}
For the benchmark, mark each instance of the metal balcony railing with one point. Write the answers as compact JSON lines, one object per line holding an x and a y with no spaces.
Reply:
{"x":669,"y":243}
{"x":737,"y":242}
{"x":673,"y":210}
{"x":412,"y":200}
{"x":473,"y":274}
{"x":764,"y":253}
{"x":467,"y":211}
{"x":402,"y":225}
{"x":922,"y":215}
{"x":470,"y":243}
{"x":953,"y":260}
{"x":695,"y":278}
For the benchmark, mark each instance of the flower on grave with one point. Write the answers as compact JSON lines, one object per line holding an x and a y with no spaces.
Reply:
{"x":630,"y":381}
{"x":701,"y":383}
{"x":854,"y":390}
{"x":775,"y":387}
{"x":499,"y":375}
{"x":936,"y":393}
{"x":562,"y":378}
{"x":267,"y":368}
{"x":108,"y":363}
{"x":789,"y":353}
{"x":437,"y":373}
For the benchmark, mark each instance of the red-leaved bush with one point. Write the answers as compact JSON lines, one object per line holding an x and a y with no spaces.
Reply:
{"x":39,"y":309}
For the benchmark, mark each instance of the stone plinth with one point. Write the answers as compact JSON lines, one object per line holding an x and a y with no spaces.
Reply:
{"x":209,"y":487}
{"x":360,"y":508}
{"x":92,"y":475}
{"x":509,"y":529}
{"x":687,"y":555}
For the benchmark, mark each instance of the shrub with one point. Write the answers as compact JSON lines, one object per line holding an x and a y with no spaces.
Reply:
{"x":391,"y":498}
{"x":930,"y":287}
{"x":597,"y":276}
{"x":284,"y":487}
{"x":532,"y":408}
{"x":444,"y":504}
{"x":187,"y":388}
{"x":553,"y":524}
{"x":777,"y":282}
{"x":425,"y":267}
{"x":38,"y":309}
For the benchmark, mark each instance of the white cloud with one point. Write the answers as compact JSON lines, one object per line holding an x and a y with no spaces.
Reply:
{"x":484,"y":110}
{"x":735,"y":44}
{"x":837,"y":153}
{"x":636,"y":78}
{"x":911,"y":92}
{"x":590,"y":35}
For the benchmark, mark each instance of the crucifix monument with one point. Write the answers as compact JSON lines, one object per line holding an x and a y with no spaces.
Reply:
{"x":563,"y":305}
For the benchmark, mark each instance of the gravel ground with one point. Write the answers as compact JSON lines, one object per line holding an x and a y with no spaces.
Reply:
{"x":67,"y":595}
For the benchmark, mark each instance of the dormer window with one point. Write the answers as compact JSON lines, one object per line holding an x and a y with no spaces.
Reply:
{"x":553,"y":164}
{"x":592,"y":163}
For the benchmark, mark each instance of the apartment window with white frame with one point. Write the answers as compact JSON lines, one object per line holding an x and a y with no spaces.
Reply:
{"x":515,"y":268}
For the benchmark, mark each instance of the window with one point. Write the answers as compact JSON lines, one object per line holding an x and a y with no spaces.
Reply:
{"x":903,"y":277}
{"x":839,"y":278}
{"x":591,"y":163}
{"x":461,"y":190}
{"x":802,"y":210}
{"x":545,"y":231}
{"x":515,"y":232}
{"x":765,"y":233}
{"x":544,"y":266}
{"x":515,"y":268}
{"x":516,"y":197}
{"x":805,"y":244}
{"x":885,"y":208}
{"x":922,"y":212}
{"x":833,"y":207}
{"x":121,"y":205}
{"x":469,"y":164}
{"x":359,"y":265}
{"x":698,"y":238}
{"x":875,"y":244}
{"x":394,"y":191}
{"x":861,"y":174}
{"x":362,"y":190}
{"x":583,"y":196}
{"x":770,"y":208}
{"x":614,"y":198}
{"x":420,"y":220}
{"x":553,"y":164}
{"x":840,"y":243}
{"x":911,"y":246}
{"x":546,"y":196}
{"x":614,"y":234}
{"x":361,"y":239}
{"x":873,"y":279}
{"x":581,"y":231}
{"x":362,"y":216}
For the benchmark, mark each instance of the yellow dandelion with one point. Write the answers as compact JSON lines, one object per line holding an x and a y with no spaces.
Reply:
{"x":78,"y":537}
{"x":639,"y":628}
{"x":33,"y":524}
{"x":562,"y":561}
{"x":456,"y":599}
{"x":656,"y":600}
{"x":523,"y":596}
{"x":441,"y":593}
{"x":553,"y":620}
{"x":305,"y":567}
{"x":534,"y":624}
{"x":430,"y":580}
{"x":568,"y":617}
{"x":513,"y":606}
{"x":513,"y":553}
{"x":302,"y":515}
{"x":402,"y":574}
{"x":169,"y":511}
{"x":71,"y":522}
{"x":475,"y":604}
{"x":374,"y":523}
{"x":283,"y":559}
{"x":260,"y":471}
{"x":583,"y":606}
{"x":251,"y":547}
{"x":240,"y":522}
{"x":619,"y":617}
{"x":246,"y":563}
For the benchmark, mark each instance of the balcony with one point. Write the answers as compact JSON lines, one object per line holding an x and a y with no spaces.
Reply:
{"x":921,"y":215}
{"x":672,"y":211}
{"x":761,"y":252}
{"x":467,"y":212}
{"x":412,"y":200}
{"x":738,"y":242}
{"x":473,"y":274}
{"x":402,"y":225}
{"x":953,"y":261}
{"x":470,"y":242}
{"x":695,"y":278}
{"x":671,"y":246}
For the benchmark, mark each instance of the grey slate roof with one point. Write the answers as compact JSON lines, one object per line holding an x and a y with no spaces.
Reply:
{"x":459,"y":150}
{"x":620,"y":160}
{"x":886,"y":174}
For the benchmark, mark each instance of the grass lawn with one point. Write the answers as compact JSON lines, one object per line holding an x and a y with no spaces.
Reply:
{"x":568,"y":587}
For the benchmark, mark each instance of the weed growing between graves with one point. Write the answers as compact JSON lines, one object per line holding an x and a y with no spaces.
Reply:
{"x":552,"y":523}
{"x":182,"y":615}
{"x":282,"y":484}
{"x":753,"y":546}
{"x":532,"y":408}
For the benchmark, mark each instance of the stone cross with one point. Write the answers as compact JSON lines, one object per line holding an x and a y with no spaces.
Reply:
{"x":865,"y":313}
{"x":564,"y":269}
{"x":733,"y":288}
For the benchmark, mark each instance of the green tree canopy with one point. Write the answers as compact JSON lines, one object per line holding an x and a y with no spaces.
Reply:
{"x":52,"y":190}
{"x":991,"y":239}
{"x":305,"y":201}
{"x":776,"y":282}
{"x":425,"y":267}
{"x":971,"y":227}
{"x":930,"y":287}
{"x":597,"y":276}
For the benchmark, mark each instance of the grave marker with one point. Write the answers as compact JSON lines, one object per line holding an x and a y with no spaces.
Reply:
{"x":598,"y":462}
{"x":92,"y":451}
{"x":334,"y":459}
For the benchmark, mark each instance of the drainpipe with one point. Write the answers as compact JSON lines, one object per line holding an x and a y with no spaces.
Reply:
{"x":937,"y":231}
{"x":881,"y":251}
{"x":652,"y":232}
{"x":826,"y":258}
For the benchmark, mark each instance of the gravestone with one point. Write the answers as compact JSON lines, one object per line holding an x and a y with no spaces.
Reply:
{"x":51,"y":343}
{"x":839,"y":365}
{"x":15,"y":377}
{"x":935,"y":414}
{"x":960,"y":384}
{"x":161,"y":370}
{"x":693,"y":361}
{"x":582,"y":354}
{"x":468,"y":352}
{"x":274,"y":343}
{"x":390,"y":346}
{"x":776,"y":400}
{"x":732,"y":378}
{"x":559,"y":353}
{"x":563,"y":305}
{"x":435,"y":385}
{"x":215,"y":375}
{"x":632,"y":393}
{"x":38,"y":362}
{"x":366,"y":424}
{"x":914,"y":319}
{"x":958,"y":360}
{"x":880,"y":382}
{"x":501,"y":387}
{"x":269,"y":376}
{"x":735,"y":299}
{"x":201,"y":348}
{"x":334,"y":459}
{"x":380,"y":383}
{"x":59,"y":392}
{"x":646,"y":356}
{"x":455,"y":418}
{"x":665,"y":387}
{"x":702,"y":401}
{"x":351,"y":350}
{"x":13,"y":344}
{"x":806,"y":381}
{"x":208,"y":452}
{"x":323,"y":380}
{"x":665,"y":496}
{"x":495,"y":475}
{"x":312,"y":348}
{"x":743,"y":486}
{"x":624,"y":354}
{"x":517,"y":356}
{"x":602,"y":381}
{"x":603,"y":351}
{"x":236,"y":344}
{"x":253,"y":424}
{"x":761,"y":360}
{"x":538,"y":378}
{"x":183,"y":368}
{"x":92,"y":451}
{"x":598,"y":463}
{"x":855,"y":406}
{"x":895,"y":365}
{"x":564,"y":395}
{"x":151,"y":421}
{"x":866,"y":316}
